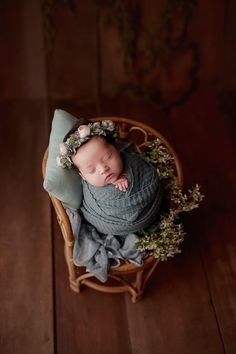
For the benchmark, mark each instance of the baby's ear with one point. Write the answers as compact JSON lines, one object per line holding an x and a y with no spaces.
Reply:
{"x":81,"y":175}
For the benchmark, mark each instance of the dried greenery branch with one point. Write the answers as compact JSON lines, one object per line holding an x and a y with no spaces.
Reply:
{"x":163,"y":241}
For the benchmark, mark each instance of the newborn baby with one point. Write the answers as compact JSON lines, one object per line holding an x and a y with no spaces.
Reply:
{"x":121,"y":195}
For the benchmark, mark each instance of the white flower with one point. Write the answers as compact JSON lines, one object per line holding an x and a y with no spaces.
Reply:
{"x":110,"y":125}
{"x":60,"y":164}
{"x":62,"y":149}
{"x":96,"y":125}
{"x":84,"y":131}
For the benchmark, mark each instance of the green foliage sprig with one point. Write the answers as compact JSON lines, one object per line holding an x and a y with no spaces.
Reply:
{"x":165,"y":240}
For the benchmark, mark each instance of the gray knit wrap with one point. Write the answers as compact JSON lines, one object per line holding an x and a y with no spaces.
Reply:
{"x":114,"y":212}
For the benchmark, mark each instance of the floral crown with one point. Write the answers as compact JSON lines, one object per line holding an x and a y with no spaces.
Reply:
{"x":80,"y":136}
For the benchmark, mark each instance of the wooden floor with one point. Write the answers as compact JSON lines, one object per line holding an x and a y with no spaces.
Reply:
{"x":190,"y":303}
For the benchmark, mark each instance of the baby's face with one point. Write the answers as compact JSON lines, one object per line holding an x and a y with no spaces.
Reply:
{"x":98,"y":162}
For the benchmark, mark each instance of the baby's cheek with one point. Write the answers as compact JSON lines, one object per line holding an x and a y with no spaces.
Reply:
{"x":119,"y":164}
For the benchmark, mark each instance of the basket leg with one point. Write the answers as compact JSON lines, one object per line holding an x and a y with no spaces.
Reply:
{"x":141,"y":281}
{"x":138,"y":284}
{"x":71,"y":268}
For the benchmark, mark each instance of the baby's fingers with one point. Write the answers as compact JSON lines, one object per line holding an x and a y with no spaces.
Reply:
{"x":124,"y":186}
{"x":121,"y":186}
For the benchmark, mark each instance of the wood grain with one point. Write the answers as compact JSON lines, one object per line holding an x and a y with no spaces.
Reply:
{"x":26,"y":310}
{"x":88,"y":322}
{"x":209,"y":133}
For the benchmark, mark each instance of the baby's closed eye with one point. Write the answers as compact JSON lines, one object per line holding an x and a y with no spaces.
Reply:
{"x":90,"y":170}
{"x":107,"y":157}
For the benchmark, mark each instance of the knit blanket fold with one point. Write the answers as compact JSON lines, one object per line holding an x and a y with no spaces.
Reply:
{"x":110,"y":218}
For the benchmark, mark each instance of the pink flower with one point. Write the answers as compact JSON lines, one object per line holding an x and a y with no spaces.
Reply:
{"x":59,"y":163}
{"x":62,"y":149}
{"x":84,"y":131}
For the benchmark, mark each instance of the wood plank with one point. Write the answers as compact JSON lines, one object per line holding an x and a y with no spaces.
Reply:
{"x":26,"y":310}
{"x":176,"y":315}
{"x":89,"y":322}
{"x":207,"y":134}
{"x":22,"y":63}
{"x":72,"y":59}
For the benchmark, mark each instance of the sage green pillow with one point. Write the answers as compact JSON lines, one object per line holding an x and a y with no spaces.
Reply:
{"x":62,"y":183}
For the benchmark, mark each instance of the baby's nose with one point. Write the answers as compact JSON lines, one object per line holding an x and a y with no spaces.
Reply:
{"x":103,"y":169}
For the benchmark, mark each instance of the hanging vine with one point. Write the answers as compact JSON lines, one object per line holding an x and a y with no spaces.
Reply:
{"x":143,"y":47}
{"x":160,"y":40}
{"x":145,"y":50}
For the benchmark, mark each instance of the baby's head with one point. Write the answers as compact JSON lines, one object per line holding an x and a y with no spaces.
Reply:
{"x":98,"y":162}
{"x":90,"y":149}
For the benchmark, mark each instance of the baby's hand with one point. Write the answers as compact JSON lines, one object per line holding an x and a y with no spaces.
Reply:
{"x":122,"y":182}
